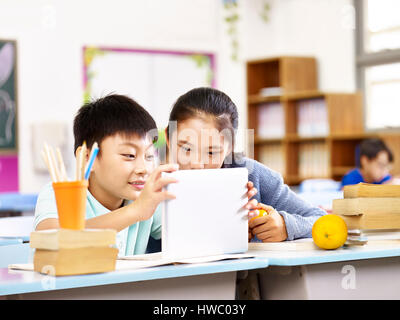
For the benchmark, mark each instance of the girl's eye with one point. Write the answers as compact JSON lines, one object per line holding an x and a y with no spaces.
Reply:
{"x":186,"y":149}
{"x":149,"y":157}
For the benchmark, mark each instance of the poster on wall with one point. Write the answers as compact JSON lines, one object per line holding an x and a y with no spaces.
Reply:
{"x":153,"y":78}
{"x":8,"y":116}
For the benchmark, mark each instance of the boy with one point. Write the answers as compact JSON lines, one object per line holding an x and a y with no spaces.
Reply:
{"x":375,"y":162}
{"x":124,"y":189}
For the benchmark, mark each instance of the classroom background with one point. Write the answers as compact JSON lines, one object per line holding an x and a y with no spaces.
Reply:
{"x":312,"y":78}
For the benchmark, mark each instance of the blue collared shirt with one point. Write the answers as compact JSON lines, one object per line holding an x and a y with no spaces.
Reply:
{"x":354,"y":176}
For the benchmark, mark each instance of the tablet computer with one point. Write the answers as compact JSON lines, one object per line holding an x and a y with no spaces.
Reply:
{"x":208,"y":216}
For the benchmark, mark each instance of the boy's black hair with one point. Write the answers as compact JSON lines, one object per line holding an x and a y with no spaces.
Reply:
{"x":371,"y":147}
{"x":113,"y":114}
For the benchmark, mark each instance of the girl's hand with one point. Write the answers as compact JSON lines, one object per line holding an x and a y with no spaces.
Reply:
{"x":251,"y":204}
{"x":152,"y":193}
{"x":269,"y":228}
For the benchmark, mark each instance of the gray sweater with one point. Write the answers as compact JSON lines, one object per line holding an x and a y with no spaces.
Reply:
{"x":298,"y":214}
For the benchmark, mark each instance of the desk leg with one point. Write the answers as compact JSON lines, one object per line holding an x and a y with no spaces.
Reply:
{"x":357,"y":279}
{"x":247,"y":286}
{"x":208,"y":286}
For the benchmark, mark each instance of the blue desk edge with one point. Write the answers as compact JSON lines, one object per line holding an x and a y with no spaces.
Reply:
{"x":162,"y":272}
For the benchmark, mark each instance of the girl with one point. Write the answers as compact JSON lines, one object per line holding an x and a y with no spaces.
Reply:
{"x":201,"y":135}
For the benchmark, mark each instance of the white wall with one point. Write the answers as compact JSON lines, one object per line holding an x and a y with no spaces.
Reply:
{"x":319,"y":28}
{"x":51,"y":35}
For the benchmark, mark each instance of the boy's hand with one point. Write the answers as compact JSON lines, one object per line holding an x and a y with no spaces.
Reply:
{"x":152,"y":193}
{"x":251,"y":204}
{"x":269,"y":228}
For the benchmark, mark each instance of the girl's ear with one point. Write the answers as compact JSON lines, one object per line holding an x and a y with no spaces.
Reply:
{"x":228,"y":147}
{"x":230,"y":150}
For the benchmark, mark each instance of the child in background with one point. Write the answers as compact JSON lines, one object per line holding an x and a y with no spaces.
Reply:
{"x":201,"y":135}
{"x":375,"y":163}
{"x":124,"y":189}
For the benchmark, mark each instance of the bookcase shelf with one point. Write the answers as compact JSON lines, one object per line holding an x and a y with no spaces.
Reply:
{"x":261,"y":141}
{"x":318,"y":132}
{"x":293,"y":137}
{"x":342,"y":170}
{"x":256,"y":99}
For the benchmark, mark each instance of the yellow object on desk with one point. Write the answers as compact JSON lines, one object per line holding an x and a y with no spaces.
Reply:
{"x":329,"y":232}
{"x":261,"y":213}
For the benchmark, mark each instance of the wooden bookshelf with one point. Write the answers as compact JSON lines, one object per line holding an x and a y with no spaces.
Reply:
{"x":333,"y":146}
{"x":291,"y":74}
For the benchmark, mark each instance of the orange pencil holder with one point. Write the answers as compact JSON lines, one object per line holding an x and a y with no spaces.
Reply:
{"x":71,"y":203}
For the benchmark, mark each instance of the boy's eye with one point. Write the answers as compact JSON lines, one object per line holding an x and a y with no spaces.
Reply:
{"x":129,"y":156}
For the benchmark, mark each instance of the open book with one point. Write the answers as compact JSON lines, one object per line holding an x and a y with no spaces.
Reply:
{"x":152,"y":260}
{"x":294,"y":245}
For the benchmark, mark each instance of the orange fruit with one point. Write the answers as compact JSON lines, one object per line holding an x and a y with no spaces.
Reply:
{"x":329,"y":232}
{"x":261,"y":213}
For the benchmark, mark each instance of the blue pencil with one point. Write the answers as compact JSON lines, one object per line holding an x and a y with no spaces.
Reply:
{"x":93,"y":154}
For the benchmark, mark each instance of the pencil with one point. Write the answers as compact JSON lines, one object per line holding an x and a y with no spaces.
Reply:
{"x":54,"y":163}
{"x":43,"y":154}
{"x":62,"y":165}
{"x":49,"y":162}
{"x":92,"y":157}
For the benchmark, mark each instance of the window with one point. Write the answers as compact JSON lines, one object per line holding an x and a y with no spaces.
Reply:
{"x":378,"y":61}
{"x":382,"y":27}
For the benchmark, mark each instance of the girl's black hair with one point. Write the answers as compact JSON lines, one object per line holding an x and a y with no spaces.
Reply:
{"x":113,"y":114}
{"x":208,"y":101}
{"x":205,"y":101}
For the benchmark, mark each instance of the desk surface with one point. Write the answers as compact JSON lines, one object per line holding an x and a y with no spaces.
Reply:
{"x":16,"y":227}
{"x":15,"y":282}
{"x":295,"y":258}
{"x":6,"y":241}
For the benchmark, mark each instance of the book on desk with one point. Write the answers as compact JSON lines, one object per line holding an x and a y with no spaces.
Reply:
{"x":367,"y":208}
{"x":71,"y":252}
